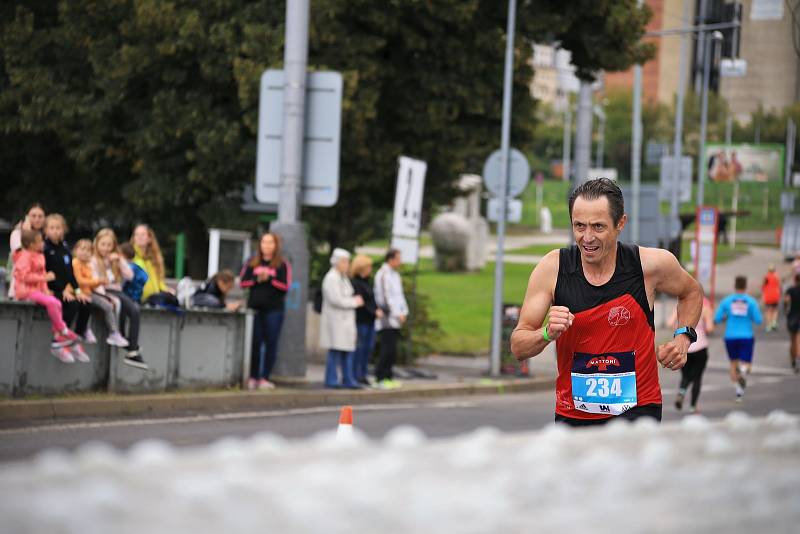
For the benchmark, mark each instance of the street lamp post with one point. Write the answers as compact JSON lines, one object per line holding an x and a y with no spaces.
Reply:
{"x":601,"y":135}
{"x":716,"y":38}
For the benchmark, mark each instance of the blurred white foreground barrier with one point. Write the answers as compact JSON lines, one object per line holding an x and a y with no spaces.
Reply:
{"x":740,"y":475}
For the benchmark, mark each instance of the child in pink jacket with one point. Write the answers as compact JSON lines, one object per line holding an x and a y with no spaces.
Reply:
{"x":30,"y":283}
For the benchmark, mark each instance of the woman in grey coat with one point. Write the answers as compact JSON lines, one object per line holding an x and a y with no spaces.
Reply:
{"x":338,"y":322}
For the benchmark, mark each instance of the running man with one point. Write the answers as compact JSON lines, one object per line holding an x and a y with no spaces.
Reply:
{"x":740,"y":310}
{"x":791,"y":303}
{"x":595,"y":300}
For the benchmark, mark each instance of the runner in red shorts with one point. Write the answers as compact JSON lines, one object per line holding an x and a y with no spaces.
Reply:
{"x":595,"y":300}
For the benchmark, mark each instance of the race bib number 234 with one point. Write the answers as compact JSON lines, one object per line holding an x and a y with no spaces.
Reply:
{"x":604,"y":383}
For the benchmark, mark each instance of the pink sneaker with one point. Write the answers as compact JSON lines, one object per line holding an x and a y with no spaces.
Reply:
{"x":61,"y":340}
{"x":69,"y":334}
{"x":252,"y":384}
{"x":62,"y":353}
{"x":117,"y":340}
{"x":79,"y":354}
{"x":265,"y":384}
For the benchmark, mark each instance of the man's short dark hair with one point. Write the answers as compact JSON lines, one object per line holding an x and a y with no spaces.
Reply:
{"x":740,"y":283}
{"x":601,"y":187}
{"x":391,"y":254}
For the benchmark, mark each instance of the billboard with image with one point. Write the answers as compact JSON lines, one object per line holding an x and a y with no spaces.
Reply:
{"x":744,"y":162}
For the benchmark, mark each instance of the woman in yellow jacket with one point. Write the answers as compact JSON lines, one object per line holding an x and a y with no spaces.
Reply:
{"x":148,"y":257}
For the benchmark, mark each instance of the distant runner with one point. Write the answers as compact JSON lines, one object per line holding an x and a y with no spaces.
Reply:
{"x":595,"y":299}
{"x":771,"y":295}
{"x":791,"y":303}
{"x":740,"y":310}
{"x":692,"y":372}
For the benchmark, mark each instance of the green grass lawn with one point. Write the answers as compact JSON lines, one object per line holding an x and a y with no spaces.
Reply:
{"x":533,"y":250}
{"x":424,"y":240}
{"x":554,"y":196}
{"x":462,"y":302}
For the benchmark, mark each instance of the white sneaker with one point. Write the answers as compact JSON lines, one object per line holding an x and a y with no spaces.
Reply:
{"x":117,"y":340}
{"x":89,"y":336}
{"x":62,"y":353}
{"x":79,"y":354}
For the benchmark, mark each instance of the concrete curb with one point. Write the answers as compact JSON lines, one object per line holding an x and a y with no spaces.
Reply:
{"x":204,"y":402}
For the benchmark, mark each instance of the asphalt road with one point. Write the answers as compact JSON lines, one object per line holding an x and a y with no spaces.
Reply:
{"x":772,"y":386}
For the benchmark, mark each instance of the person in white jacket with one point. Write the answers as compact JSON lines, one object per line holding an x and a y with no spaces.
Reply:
{"x":338,"y":322}
{"x":389,"y":298}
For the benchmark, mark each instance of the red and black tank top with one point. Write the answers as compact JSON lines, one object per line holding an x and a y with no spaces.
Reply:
{"x":606,"y":359}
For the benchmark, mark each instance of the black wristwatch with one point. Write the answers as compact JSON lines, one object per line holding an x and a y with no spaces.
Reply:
{"x":688,"y":331}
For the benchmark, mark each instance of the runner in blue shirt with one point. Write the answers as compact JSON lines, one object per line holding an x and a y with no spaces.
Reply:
{"x":741,"y":312}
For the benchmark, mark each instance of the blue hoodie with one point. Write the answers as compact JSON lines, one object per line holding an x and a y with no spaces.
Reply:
{"x":134,"y":287}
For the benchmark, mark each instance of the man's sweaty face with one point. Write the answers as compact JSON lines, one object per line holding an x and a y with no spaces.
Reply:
{"x":593,"y":228}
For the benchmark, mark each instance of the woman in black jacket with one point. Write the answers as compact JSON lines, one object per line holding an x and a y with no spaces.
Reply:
{"x":268,"y":276}
{"x":360,"y":271}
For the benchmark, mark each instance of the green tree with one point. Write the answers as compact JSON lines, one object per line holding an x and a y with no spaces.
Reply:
{"x":115,"y":111}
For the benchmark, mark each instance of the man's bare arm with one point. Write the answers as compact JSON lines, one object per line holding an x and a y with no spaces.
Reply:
{"x":664,"y":274}
{"x":670,"y":278}
{"x":528,"y":338}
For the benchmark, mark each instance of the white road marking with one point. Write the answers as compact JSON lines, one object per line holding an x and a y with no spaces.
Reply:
{"x":230,"y":416}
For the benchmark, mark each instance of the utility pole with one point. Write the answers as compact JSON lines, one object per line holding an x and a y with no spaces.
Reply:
{"x":716,"y":38}
{"x":677,"y":149}
{"x":735,"y":199}
{"x":291,"y":351}
{"x":636,"y":153}
{"x":505,"y":148}
{"x":700,"y":51}
{"x":601,"y":136}
{"x":791,"y":140}
{"x":636,"y":146}
{"x":583,"y":134}
{"x":566,"y":157}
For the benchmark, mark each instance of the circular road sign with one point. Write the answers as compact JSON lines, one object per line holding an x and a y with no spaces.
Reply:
{"x":519,"y":173}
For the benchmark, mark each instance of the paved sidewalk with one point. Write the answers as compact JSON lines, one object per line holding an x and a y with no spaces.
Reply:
{"x":451,"y":377}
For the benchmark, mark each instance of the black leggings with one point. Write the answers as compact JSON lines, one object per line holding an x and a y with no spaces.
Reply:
{"x":129,"y":312}
{"x":75,"y":312}
{"x":692,"y":373}
{"x":646,"y":410}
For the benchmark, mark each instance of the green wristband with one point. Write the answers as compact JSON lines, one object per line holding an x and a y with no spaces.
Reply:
{"x":544,"y":328}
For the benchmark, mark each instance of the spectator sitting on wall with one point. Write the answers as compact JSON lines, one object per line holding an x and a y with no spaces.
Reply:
{"x":135,"y":286}
{"x":33,"y":220}
{"x":213,"y":292}
{"x":149,"y":257}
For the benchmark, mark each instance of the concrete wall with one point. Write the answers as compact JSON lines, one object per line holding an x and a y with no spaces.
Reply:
{"x":198,"y":349}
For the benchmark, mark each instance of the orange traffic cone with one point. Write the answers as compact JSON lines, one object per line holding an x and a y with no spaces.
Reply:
{"x":345,"y":430}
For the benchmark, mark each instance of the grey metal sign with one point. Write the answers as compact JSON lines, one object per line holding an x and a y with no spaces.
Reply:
{"x":321,"y":142}
{"x":519,"y":173}
{"x":666,"y":179}
{"x":513,"y":211}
